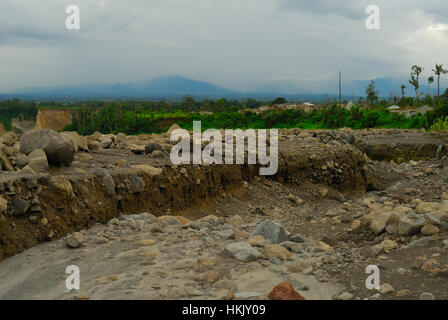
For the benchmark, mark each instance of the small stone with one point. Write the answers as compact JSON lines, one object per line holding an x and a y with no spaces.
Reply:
{"x":257,"y":241}
{"x":427,"y":296}
{"x":272,"y":231}
{"x":429,"y":230}
{"x":284,"y":291}
{"x":298,"y":238}
{"x":276,"y":251}
{"x":345,"y":296}
{"x":386,"y":288}
{"x":242,"y":251}
{"x":75,"y":240}
{"x":147,"y":242}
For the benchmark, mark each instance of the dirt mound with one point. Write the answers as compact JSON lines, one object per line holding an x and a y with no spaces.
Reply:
{"x":55,"y":119}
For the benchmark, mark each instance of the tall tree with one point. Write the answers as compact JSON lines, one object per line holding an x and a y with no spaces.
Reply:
{"x":415,"y":76}
{"x":439,"y":71}
{"x":403,"y":91}
{"x":371,"y":92}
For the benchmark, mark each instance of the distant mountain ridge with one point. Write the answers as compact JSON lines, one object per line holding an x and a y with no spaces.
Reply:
{"x":176,"y":86}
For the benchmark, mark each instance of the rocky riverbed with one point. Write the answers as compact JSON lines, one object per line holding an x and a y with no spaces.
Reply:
{"x":140,"y":228}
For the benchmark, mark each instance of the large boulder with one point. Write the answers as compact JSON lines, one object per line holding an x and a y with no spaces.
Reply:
{"x":59,"y":149}
{"x":272,"y":231}
{"x":8,"y":139}
{"x":37,"y":160}
{"x":79,"y":141}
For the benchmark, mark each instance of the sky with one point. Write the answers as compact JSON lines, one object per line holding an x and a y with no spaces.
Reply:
{"x":238,"y":44}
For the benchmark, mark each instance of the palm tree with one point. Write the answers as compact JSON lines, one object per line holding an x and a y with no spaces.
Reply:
{"x":439,"y":71}
{"x":414,"y":81}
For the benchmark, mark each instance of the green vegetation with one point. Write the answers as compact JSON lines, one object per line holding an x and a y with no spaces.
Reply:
{"x":136,"y":117}
{"x":15,"y":108}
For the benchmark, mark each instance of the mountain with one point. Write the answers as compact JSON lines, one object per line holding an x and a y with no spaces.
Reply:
{"x":174,"y":86}
{"x":168,"y":86}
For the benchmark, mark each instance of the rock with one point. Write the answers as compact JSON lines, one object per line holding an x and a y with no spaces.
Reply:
{"x":173,"y":127}
{"x":295,"y":199}
{"x":356,"y":224}
{"x":410,"y":224}
{"x":137,"y":184}
{"x":285,"y":291}
{"x":121,"y":138}
{"x":8,"y":138}
{"x":37,"y":160}
{"x":431,"y":266}
{"x":437,"y":217}
{"x":79,"y":141}
{"x":345,"y":296}
{"x":422,"y":242}
{"x":20,"y":206}
{"x":225,"y":234}
{"x":427,"y":207}
{"x":429,"y":230}
{"x":247,"y":295}
{"x":272,"y":231}
{"x":386,"y":288}
{"x":60,"y":149}
{"x":105,"y":143}
{"x":3,"y":205}
{"x":257,"y":241}
{"x":109,"y":184}
{"x":92,"y":144}
{"x":150,"y":147}
{"x":209,"y":277}
{"x":5,"y":164}
{"x":298,"y":238}
{"x":427,"y":296}
{"x":157,"y":154}
{"x":241,"y":251}
{"x":379,"y":222}
{"x":21,"y":160}
{"x":235,"y":220}
{"x":276,"y":251}
{"x":389,"y":245}
{"x":147,"y":242}
{"x":75,"y":240}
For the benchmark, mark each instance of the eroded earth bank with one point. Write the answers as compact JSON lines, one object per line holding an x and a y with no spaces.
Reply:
{"x":139,"y":227}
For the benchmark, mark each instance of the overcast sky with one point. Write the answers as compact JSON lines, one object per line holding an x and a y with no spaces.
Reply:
{"x":239,"y":44}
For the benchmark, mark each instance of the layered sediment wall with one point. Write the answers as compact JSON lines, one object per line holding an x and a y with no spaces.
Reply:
{"x":46,"y":207}
{"x":55,"y":119}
